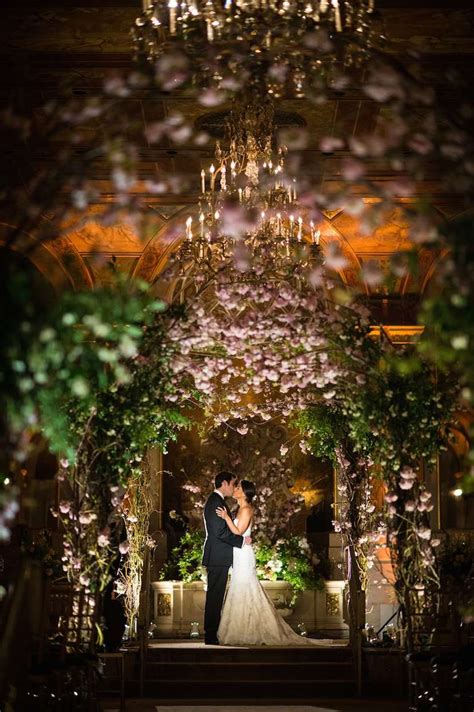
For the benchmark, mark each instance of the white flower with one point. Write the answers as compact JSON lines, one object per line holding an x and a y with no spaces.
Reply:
{"x":424,"y":533}
{"x":275,"y":565}
{"x":410,"y":505}
{"x":84,"y":580}
{"x":460,"y":342}
{"x":120,"y":588}
{"x":435,"y":542}
{"x":86,"y":517}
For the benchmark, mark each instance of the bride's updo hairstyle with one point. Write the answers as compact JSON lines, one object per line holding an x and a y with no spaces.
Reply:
{"x":248,"y":489}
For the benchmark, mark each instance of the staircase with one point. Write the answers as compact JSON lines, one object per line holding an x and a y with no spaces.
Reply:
{"x":241,"y":675}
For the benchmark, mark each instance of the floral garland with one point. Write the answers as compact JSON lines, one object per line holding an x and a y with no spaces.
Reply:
{"x":117,"y":416}
{"x":387,"y":428}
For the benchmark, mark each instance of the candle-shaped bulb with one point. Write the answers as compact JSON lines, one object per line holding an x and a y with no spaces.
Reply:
{"x":172,"y":5}
{"x":201,"y":221}
{"x":189,"y":230}
{"x":300,"y":228}
{"x":212,"y":171}
{"x":203,"y":181}
{"x":318,"y":236}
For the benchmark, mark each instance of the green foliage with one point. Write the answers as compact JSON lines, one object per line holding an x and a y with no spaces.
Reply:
{"x":290,"y":559}
{"x":399,"y":415}
{"x":185,"y":561}
{"x":325,"y":428}
{"x":448,"y":316}
{"x":58,"y":361}
{"x":86,"y":353}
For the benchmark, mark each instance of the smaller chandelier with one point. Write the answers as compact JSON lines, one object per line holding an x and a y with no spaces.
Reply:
{"x":248,"y":179}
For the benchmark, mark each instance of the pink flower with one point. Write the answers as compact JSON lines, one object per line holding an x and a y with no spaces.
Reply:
{"x":124,"y":547}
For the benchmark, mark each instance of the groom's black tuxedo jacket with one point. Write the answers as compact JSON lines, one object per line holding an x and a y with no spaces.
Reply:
{"x":219,"y":539}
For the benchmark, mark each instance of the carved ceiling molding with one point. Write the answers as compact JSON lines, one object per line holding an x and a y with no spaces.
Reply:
{"x":57,"y":260}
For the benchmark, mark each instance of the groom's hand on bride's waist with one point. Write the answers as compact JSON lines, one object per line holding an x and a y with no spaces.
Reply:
{"x":247,"y":540}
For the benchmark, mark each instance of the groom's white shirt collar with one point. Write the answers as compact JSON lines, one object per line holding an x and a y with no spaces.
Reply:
{"x":219,"y":493}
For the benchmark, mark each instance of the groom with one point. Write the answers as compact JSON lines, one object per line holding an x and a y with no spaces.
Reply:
{"x":217,"y":556}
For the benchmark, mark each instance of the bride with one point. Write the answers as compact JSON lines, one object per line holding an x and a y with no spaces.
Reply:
{"x":249,"y":616}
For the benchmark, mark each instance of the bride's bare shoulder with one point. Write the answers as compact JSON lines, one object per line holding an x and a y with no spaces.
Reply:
{"x":247,"y":508}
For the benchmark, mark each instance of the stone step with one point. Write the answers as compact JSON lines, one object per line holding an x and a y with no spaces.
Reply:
{"x":321,"y":670}
{"x":203,"y":654}
{"x":239,"y":689}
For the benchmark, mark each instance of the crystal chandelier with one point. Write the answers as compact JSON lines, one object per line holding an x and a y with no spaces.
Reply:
{"x":280,"y":44}
{"x":247,"y":181}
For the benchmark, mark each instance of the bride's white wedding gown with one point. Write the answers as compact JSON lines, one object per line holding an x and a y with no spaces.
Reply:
{"x":249,"y":616}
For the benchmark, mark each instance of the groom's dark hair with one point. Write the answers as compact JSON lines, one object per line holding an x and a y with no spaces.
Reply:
{"x":223,"y":477}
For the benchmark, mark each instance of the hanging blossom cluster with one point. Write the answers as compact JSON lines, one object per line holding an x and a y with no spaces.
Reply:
{"x":259,"y":344}
{"x":275,"y":504}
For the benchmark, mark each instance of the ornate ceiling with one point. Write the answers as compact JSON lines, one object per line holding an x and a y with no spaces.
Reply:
{"x":44,"y":42}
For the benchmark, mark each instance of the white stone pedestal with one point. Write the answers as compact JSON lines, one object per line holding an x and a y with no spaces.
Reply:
{"x":176,"y":605}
